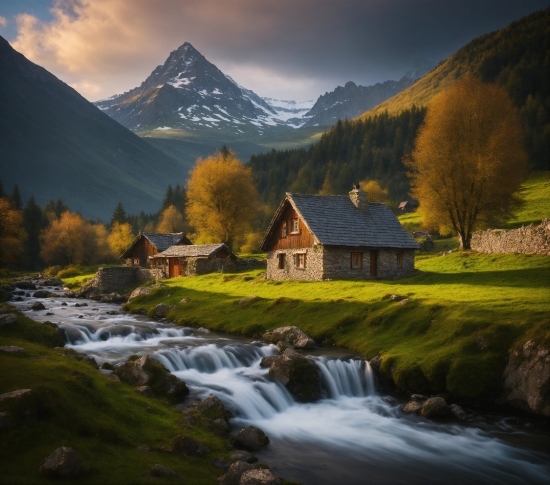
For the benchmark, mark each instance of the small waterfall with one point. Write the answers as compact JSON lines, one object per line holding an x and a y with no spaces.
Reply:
{"x":345,"y":378}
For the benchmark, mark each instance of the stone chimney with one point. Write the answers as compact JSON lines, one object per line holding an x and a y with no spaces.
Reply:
{"x":359,"y":197}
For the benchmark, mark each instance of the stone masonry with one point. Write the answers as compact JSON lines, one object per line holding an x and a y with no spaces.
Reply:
{"x":334,"y":263}
{"x":531,"y":239}
{"x":113,"y":278}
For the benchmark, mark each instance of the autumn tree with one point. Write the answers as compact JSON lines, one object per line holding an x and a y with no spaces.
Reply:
{"x":171,"y":220}
{"x":222,"y":200}
{"x":468,"y":161}
{"x":71,"y":239}
{"x":120,"y":238}
{"x":375,"y":192}
{"x":12,"y":234}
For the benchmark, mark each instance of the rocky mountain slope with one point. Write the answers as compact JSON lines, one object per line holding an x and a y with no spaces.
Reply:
{"x":191,"y":94}
{"x":54,"y":143}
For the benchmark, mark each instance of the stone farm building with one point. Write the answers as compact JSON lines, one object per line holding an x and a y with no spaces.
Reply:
{"x":317,"y":237}
{"x":148,"y":244}
{"x":193,"y":260}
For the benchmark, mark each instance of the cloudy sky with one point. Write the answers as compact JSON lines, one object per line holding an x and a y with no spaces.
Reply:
{"x":286,"y":49}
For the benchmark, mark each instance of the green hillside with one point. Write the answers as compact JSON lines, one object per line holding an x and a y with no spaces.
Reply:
{"x":516,"y":57}
{"x":54,"y":143}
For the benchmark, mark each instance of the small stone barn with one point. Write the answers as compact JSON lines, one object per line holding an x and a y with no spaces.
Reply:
{"x":317,"y":237}
{"x":148,"y":244}
{"x":194,"y":260}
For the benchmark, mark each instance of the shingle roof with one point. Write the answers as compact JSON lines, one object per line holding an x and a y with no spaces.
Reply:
{"x":198,"y":250}
{"x":335,"y":221}
{"x":160,"y":241}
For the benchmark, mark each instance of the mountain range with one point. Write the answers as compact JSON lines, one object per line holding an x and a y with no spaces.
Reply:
{"x":189,"y":94}
{"x":56,"y":144}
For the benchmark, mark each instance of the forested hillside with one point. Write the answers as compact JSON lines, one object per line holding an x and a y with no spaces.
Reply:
{"x":351,"y":151}
{"x":516,"y":57}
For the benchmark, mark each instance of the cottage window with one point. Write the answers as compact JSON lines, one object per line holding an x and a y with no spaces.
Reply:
{"x":283,"y":230}
{"x":136,"y":261}
{"x":399,"y":256}
{"x":300,"y":260}
{"x":282,"y":258}
{"x":356,"y":260}
{"x":295,"y":226}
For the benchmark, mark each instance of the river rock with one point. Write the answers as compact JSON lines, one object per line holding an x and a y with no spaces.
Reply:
{"x":458,"y":412}
{"x":292,"y":335}
{"x":298,"y":374}
{"x":435,"y":407}
{"x":133,"y":371}
{"x":25,"y":285}
{"x":62,"y":463}
{"x":234,"y":473}
{"x":37,"y":306}
{"x":144,"y":290}
{"x":7,"y":319}
{"x":259,"y":476}
{"x":11,"y":349}
{"x":282,"y":346}
{"x":251,"y":439}
{"x":188,"y":446}
{"x":212,"y":408}
{"x":241,"y":455}
{"x":413,"y":407}
{"x":41,"y":294}
{"x":144,"y":391}
{"x":159,"y":471}
{"x":5,"y":295}
{"x":267,"y":360}
{"x":14,"y":394}
{"x":527,"y":379}
{"x":161,"y":310}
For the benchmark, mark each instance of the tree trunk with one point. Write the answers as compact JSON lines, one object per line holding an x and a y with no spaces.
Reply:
{"x":465,"y":240}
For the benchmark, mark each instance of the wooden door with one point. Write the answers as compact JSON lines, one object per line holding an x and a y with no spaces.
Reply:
{"x":374,"y":263}
{"x":173,"y":267}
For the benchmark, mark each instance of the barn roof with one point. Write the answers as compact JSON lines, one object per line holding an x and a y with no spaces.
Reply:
{"x":335,"y":221}
{"x":198,"y":250}
{"x":160,"y":241}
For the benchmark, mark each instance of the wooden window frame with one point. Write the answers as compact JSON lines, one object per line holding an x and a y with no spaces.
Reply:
{"x":283,"y":229}
{"x":300,"y":261}
{"x":295,"y":226}
{"x":399,"y":259}
{"x":136,"y":262}
{"x":359,"y":259}
{"x":281,"y":257}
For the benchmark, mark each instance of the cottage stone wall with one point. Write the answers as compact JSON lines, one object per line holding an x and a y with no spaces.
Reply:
{"x":531,"y":239}
{"x":334,"y":263}
{"x":114,"y":278}
{"x":312,"y":271}
{"x":197,"y":266}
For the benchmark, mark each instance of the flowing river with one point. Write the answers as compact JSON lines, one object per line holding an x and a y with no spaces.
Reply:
{"x":352,"y":436}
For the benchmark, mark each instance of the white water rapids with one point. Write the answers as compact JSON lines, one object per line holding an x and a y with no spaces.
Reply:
{"x":351,"y":436}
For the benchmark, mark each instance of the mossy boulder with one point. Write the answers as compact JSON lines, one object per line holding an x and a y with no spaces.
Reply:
{"x":250,"y":439}
{"x":298,"y":374}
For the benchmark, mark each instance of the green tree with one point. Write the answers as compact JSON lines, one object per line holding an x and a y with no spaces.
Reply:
{"x":468,"y":161}
{"x":15,"y":198}
{"x":119,"y":215}
{"x":33,"y":222}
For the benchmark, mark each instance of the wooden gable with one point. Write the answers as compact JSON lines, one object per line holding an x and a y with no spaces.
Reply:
{"x":284,"y":233}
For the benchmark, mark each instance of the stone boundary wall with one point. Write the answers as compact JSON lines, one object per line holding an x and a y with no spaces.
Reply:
{"x":531,"y":239}
{"x":114,"y":278}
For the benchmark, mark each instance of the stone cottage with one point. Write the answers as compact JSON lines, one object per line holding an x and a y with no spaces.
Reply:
{"x":194,"y":260}
{"x":148,"y":244}
{"x":317,"y":237}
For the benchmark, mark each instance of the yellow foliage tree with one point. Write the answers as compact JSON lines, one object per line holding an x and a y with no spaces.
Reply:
{"x":468,"y":161}
{"x":121,"y":237}
{"x":12,"y":234}
{"x":71,"y":240}
{"x":171,"y":220}
{"x":222,"y":201}
{"x":375,"y":192}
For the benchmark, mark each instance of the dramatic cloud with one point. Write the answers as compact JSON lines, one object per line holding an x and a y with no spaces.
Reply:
{"x":3,"y":21}
{"x":278,"y":48}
